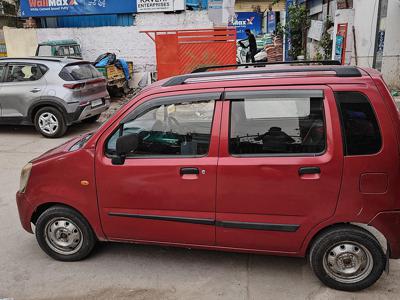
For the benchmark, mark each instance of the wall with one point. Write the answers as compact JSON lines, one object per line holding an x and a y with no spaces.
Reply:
{"x":391,"y":50}
{"x":20,"y":42}
{"x":365,"y":19}
{"x":125,"y":42}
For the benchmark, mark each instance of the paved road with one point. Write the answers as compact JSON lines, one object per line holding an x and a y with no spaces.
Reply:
{"x":123,"y":271}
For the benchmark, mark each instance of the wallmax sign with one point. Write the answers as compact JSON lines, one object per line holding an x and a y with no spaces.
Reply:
{"x":51,"y":8}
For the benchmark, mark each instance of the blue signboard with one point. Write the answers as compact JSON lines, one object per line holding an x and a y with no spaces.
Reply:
{"x":247,"y":20}
{"x":271,"y":21}
{"x":287,"y":36}
{"x":52,"y":8}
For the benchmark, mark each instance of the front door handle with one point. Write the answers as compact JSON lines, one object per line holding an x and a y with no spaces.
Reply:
{"x":309,"y":170}
{"x":35,"y":90}
{"x":189,"y":170}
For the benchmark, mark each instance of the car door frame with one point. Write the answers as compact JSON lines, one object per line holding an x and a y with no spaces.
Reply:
{"x":288,"y":231}
{"x":196,"y":219}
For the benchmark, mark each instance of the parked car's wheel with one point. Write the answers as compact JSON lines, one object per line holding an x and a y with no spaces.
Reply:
{"x":92,"y":119}
{"x":50,"y":122}
{"x":64,"y":234}
{"x":347,"y":258}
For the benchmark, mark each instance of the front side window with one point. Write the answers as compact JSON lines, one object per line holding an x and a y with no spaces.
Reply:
{"x":277,"y":126}
{"x":182,"y":129}
{"x":21,"y":72}
{"x":360,"y":128}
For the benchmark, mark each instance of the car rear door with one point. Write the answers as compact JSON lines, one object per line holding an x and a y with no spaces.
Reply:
{"x":23,"y":84}
{"x":165,"y":191}
{"x":280,"y":166}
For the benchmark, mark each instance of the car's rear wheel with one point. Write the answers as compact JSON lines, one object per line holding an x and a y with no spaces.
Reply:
{"x":64,"y":234}
{"x":50,"y":122}
{"x":92,"y":119}
{"x":347,"y":258}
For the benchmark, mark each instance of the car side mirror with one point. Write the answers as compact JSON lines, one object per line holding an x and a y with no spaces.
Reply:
{"x":125,"y":144}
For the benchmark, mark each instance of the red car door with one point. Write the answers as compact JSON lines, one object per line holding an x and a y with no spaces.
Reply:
{"x":165,"y":191}
{"x":280,"y":166}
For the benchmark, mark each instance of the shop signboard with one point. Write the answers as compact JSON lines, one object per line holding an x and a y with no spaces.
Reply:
{"x":53,"y":8}
{"x":247,"y":20}
{"x":160,"y":5}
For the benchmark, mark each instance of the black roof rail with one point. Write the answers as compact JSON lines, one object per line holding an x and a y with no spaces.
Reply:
{"x":263,"y":64}
{"x":341,"y":71}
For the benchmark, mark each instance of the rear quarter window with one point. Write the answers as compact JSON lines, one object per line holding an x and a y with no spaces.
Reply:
{"x":79,"y":72}
{"x":361,"y":133}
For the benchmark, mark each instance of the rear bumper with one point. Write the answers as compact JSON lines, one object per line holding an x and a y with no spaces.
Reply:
{"x":388,"y":223}
{"x":87,"y":111}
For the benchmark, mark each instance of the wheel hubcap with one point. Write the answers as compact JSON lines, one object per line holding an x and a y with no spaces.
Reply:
{"x":348,"y":262}
{"x":48,"y":123}
{"x":63,"y":236}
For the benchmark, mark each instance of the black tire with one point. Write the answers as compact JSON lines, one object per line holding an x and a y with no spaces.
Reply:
{"x":91,"y":119}
{"x":56,"y":115}
{"x":75,"y":221}
{"x":353,"y":239}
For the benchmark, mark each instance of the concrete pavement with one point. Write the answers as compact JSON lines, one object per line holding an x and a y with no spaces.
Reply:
{"x":125,"y":271}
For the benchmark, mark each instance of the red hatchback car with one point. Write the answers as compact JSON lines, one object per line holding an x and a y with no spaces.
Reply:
{"x":281,"y":160}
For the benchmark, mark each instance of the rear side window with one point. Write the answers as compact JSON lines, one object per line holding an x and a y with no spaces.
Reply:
{"x":360,"y":128}
{"x":277,"y":126}
{"x":24,"y":72}
{"x":79,"y":72}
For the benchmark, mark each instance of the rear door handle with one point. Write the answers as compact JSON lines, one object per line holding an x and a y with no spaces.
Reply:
{"x":186,"y":171}
{"x":35,"y":90}
{"x":309,"y":170}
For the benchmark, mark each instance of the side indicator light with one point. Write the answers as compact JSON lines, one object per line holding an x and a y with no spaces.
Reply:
{"x":84,"y":182}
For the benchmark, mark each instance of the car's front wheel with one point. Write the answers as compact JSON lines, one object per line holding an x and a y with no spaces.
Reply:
{"x":50,"y":122}
{"x":347,"y":258}
{"x":64,"y":234}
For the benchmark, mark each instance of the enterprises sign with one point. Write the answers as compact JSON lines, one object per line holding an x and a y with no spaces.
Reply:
{"x":52,"y":8}
{"x":160,"y":5}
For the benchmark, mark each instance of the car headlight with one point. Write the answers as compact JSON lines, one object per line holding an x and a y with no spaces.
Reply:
{"x":25,"y":173}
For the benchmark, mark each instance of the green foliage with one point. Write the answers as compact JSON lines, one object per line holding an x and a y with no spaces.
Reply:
{"x":326,"y":42}
{"x":296,"y":28}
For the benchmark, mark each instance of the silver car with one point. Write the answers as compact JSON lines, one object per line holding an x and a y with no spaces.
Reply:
{"x":50,"y":93}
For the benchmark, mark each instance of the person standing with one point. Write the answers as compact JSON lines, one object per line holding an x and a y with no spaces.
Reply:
{"x":252,"y":44}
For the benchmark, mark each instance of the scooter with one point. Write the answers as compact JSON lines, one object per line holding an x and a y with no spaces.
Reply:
{"x":243,"y":52}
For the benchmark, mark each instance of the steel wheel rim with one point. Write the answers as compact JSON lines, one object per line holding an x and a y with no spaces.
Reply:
{"x":48,"y":123}
{"x":63,"y":236}
{"x":348,"y":262}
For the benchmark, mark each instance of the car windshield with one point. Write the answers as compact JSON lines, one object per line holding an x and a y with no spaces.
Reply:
{"x":79,"y":72}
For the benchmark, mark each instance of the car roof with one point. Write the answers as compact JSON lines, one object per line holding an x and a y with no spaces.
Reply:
{"x":36,"y":59}
{"x":58,"y":43}
{"x":271,"y":75}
